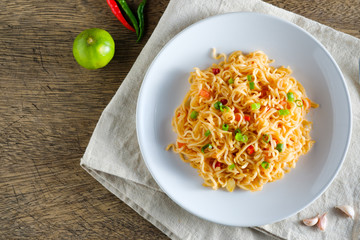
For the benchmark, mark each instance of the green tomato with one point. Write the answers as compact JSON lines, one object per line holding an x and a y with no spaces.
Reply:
{"x":93,"y":48}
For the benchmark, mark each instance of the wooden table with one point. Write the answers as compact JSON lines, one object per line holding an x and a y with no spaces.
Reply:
{"x":49,"y":107}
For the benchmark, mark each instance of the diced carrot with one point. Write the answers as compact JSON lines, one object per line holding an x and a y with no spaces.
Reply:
{"x":250,"y":150}
{"x":247,"y":118}
{"x":204,"y":93}
{"x":237,"y":117}
{"x":180,"y":144}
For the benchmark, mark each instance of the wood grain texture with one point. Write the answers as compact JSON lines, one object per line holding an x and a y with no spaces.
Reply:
{"x":49,"y":107}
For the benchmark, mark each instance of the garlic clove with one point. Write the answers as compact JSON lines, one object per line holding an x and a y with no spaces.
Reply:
{"x":311,"y":221}
{"x":348,"y":210}
{"x":322,"y":223}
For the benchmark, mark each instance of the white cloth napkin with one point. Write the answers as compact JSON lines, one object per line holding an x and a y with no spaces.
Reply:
{"x":114,"y":159}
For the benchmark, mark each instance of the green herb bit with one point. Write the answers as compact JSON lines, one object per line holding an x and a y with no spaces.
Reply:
{"x":232,"y":166}
{"x":241,"y":138}
{"x":222,"y":108}
{"x":255,"y":106}
{"x":284,"y":112}
{"x":194,"y":114}
{"x":207,"y":133}
{"x":299,"y":103}
{"x":205,"y":147}
{"x":290,"y":97}
{"x":217,"y":105}
{"x":238,"y":136}
{"x":266,"y":138}
{"x":280,"y":147}
{"x":265,"y":164}
{"x":231,"y":81}
{"x":225,"y":127}
{"x":251,"y":85}
{"x":249,"y":78}
{"x":244,"y":139}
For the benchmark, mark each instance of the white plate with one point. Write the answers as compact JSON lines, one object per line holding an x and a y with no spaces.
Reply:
{"x":166,"y":84}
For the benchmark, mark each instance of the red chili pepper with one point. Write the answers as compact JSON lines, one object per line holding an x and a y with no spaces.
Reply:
{"x":223,"y":101}
{"x":250,"y":150}
{"x":218,"y":164}
{"x":116,"y":11}
{"x":247,"y":118}
{"x":236,"y":110}
{"x":215,"y":71}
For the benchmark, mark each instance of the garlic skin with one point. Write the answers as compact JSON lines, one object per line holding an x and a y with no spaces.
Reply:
{"x":348,"y":210}
{"x":322,"y":223}
{"x":311,"y":221}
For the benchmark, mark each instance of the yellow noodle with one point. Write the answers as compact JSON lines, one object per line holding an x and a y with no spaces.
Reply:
{"x":228,"y":160}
